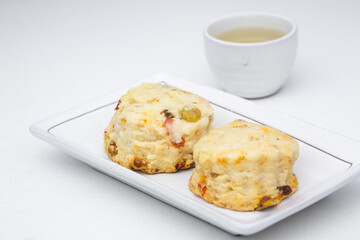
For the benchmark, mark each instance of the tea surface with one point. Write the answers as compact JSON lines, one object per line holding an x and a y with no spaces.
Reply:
{"x":250,"y":35}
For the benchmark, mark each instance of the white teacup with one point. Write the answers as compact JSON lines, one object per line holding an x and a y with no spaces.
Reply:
{"x":251,"y":70}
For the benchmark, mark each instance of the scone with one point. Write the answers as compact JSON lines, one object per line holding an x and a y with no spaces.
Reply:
{"x":155,"y":127}
{"x":244,"y":166}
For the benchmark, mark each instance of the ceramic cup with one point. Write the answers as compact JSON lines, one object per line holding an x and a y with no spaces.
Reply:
{"x":251,"y":70}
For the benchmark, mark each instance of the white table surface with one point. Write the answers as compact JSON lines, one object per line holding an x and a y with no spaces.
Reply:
{"x":55,"y":55}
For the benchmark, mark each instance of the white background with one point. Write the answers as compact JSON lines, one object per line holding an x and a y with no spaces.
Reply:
{"x":55,"y":55}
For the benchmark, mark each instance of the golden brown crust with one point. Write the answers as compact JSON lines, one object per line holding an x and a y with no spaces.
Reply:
{"x":261,"y":202}
{"x":244,"y":166}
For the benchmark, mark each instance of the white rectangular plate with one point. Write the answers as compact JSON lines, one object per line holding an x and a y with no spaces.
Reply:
{"x":327,"y":161}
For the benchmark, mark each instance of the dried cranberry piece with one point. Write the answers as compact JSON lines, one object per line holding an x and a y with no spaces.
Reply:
{"x":265,"y":199}
{"x":117,"y":106}
{"x":167,"y":113}
{"x":139,"y":162}
{"x":203,"y":191}
{"x":180,"y":165}
{"x":285,"y":190}
{"x":169,"y":129}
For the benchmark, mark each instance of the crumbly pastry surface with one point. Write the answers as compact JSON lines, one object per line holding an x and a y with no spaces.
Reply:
{"x":244,"y":166}
{"x":155,"y":128}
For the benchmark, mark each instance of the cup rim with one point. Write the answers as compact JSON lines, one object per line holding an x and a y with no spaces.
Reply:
{"x":223,"y":42}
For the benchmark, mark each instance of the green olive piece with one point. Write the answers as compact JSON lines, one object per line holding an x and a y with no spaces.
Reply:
{"x":190,"y":113}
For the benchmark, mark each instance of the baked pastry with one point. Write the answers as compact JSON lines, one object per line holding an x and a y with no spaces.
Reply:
{"x":244,"y":166}
{"x":155,"y":128}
